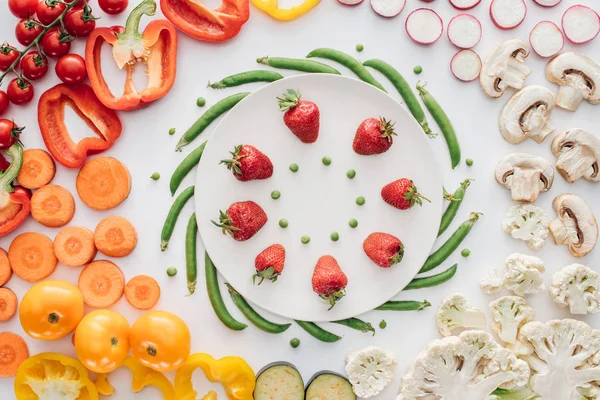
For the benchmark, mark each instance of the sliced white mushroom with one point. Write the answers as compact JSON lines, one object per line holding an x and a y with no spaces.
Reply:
{"x":578,"y":155}
{"x":527,"y":114}
{"x":578,"y":77}
{"x":575,"y":226}
{"x":526,"y":175}
{"x":505,"y":67}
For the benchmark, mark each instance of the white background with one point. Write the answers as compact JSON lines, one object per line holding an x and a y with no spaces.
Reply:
{"x":145,"y":147}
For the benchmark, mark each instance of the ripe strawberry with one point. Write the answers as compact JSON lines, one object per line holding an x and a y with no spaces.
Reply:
{"x":269,"y":263}
{"x":383,"y":249}
{"x":301,"y":117}
{"x":373,"y":136}
{"x":402,"y":194}
{"x":248,"y":163}
{"x":242,"y":220}
{"x":328,"y":280}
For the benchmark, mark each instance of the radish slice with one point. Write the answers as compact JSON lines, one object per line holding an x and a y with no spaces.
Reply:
{"x":580,"y":24}
{"x":424,"y":26}
{"x":508,"y":14}
{"x":466,"y":65}
{"x":388,"y":8}
{"x":350,"y":2}
{"x":546,"y":39}
{"x":464,"y":4}
{"x":464,"y":31}
{"x":548,"y":3}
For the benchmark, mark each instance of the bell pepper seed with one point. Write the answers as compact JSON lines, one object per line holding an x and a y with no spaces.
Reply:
{"x":283,"y":223}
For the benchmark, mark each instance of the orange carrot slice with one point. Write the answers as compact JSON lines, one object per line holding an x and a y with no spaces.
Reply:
{"x":13,"y":351}
{"x":103,"y":183}
{"x":142,"y":292}
{"x":52,"y":206}
{"x":31,"y":256}
{"x":38,"y":169}
{"x":115,"y":237}
{"x":74,"y":246}
{"x":101,"y":284}
{"x":5,"y":269}
{"x":8,"y":304}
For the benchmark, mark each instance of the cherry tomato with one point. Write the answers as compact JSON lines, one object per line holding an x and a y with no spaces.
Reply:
{"x":22,"y":8}
{"x":117,"y":29}
{"x":34,"y":65}
{"x":22,"y":190}
{"x":19,"y":91}
{"x":3,"y":102}
{"x":9,"y":133}
{"x":48,"y":11}
{"x":113,"y":7}
{"x":80,"y":21}
{"x":56,"y":43}
{"x":27,"y":31}
{"x":71,"y":69}
{"x":8,"y":55}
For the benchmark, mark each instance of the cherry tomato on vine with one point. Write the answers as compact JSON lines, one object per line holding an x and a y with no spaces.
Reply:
{"x":27,"y":30}
{"x":19,"y":91}
{"x":22,"y":190}
{"x":48,"y":11}
{"x":22,"y":8}
{"x":34,"y":65}
{"x":80,"y":21}
{"x":8,"y":55}
{"x":56,"y":43}
{"x":113,"y":7}
{"x":3,"y":102}
{"x":71,"y":69}
{"x":9,"y":133}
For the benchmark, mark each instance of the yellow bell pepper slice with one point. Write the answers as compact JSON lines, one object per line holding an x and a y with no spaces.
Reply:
{"x":271,"y":7}
{"x":233,"y":373}
{"x":142,"y":377}
{"x":53,"y":376}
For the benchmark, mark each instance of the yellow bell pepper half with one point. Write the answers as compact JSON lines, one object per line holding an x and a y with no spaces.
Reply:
{"x":271,"y":7}
{"x":233,"y":373}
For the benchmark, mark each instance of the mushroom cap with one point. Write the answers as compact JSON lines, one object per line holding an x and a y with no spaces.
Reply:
{"x":582,"y":229}
{"x":531,"y":99}
{"x":563,"y":65}
{"x":507,"y":166}
{"x":490,"y":79}
{"x":586,"y":144}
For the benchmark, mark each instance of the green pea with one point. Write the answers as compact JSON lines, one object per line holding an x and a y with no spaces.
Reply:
{"x":201,"y":102}
{"x":418,"y":69}
{"x":295,"y":342}
{"x":469,"y":162}
{"x":275,"y":194}
{"x":283,"y":223}
{"x":360,"y":200}
{"x":294,"y":167}
{"x":172,"y":131}
{"x":360,"y":47}
{"x":305,"y":239}
{"x":351,"y":174}
{"x":383,"y":324}
{"x":353,"y":223}
{"x":155,"y":176}
{"x":335,"y":236}
{"x":171,"y":271}
{"x":465,"y":253}
{"x":326,"y":160}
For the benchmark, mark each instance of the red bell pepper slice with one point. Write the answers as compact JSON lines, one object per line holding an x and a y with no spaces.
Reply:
{"x":202,"y":23}
{"x":14,"y":206}
{"x":156,"y":47}
{"x":51,"y":118}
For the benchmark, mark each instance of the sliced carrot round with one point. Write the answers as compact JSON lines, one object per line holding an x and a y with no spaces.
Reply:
{"x":31,"y":256}
{"x":74,"y":246}
{"x":142,"y":292}
{"x":8,"y":304}
{"x":5,"y":269}
{"x":103,"y":183}
{"x":101,"y":283}
{"x":13,"y":351}
{"x":52,"y":206}
{"x":38,"y":169}
{"x":115,"y":237}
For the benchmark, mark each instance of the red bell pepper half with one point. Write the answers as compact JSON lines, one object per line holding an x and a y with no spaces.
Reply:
{"x":51,"y":118}
{"x":15,"y":206}
{"x":202,"y":23}
{"x":156,"y":48}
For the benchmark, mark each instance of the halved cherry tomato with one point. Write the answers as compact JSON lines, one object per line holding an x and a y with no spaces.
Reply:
{"x":19,"y":91}
{"x":56,"y":43}
{"x":3,"y":102}
{"x":113,"y":6}
{"x":22,"y":8}
{"x":48,"y":11}
{"x":27,"y":30}
{"x":34,"y":65}
{"x":22,"y":190}
{"x":9,"y":133}
{"x":8,"y":55}
{"x":80,"y":21}
{"x":71,"y":69}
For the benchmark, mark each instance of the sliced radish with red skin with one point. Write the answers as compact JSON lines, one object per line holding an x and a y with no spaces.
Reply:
{"x":580,"y":24}
{"x":508,"y":14}
{"x":547,"y":3}
{"x":464,"y":31}
{"x":388,"y":8}
{"x":350,"y":2}
{"x":546,"y":39}
{"x":466,"y":65}
{"x":464,"y":4}
{"x":427,"y":1}
{"x":424,"y":26}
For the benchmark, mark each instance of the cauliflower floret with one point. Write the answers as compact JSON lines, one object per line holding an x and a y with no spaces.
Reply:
{"x":370,"y":370}
{"x":492,"y":282}
{"x":564,"y":357}
{"x":509,"y":314}
{"x":469,"y":366}
{"x":455,"y":312}
{"x":527,"y":222}
{"x":524,"y":274}
{"x":577,"y":287}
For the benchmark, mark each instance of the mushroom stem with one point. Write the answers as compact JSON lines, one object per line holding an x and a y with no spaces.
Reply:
{"x":572,"y":94}
{"x":515,"y":74}
{"x":558,"y":231}
{"x":574,"y":164}
{"x":525,"y":185}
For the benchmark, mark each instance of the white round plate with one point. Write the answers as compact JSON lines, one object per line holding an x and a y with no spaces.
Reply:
{"x":319,"y":199}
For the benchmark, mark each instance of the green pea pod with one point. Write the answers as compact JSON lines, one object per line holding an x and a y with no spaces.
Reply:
{"x":404,"y":305}
{"x":185,"y":167}
{"x":295,"y":64}
{"x":317,"y":332}
{"x":190,"y":253}
{"x":357,"y":324}
{"x":433,"y":280}
{"x":255,"y":318}
{"x":259,"y":75}
{"x":456,"y":200}
{"x":171,"y":219}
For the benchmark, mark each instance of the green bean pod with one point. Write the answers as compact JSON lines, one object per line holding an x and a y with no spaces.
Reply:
{"x":259,"y":75}
{"x":445,"y":250}
{"x":357,"y":324}
{"x":440,"y":117}
{"x":208,"y":117}
{"x":433,"y":280}
{"x":456,"y":200}
{"x":216,"y":300}
{"x":404,"y":305}
{"x":255,"y":318}
{"x":188,"y":163}
{"x":172,"y":216}
{"x":317,"y":332}
{"x":191,"y":262}
{"x":404,"y":90}
{"x":347,"y":61}
{"x":296,"y":64}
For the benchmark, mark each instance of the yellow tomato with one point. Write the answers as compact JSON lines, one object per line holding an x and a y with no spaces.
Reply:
{"x":51,"y":310}
{"x":160,"y":340}
{"x":102,"y":340}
